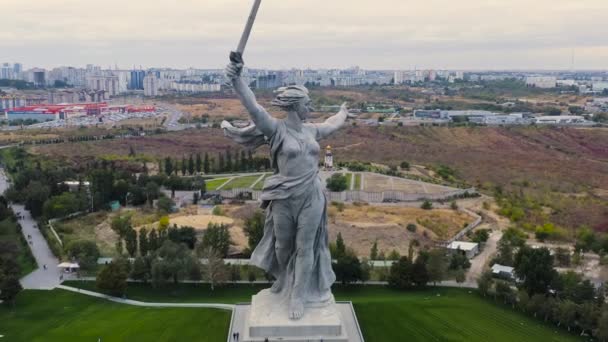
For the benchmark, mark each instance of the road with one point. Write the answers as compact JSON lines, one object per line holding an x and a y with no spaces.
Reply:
{"x":479,"y":262}
{"x":40,"y":278}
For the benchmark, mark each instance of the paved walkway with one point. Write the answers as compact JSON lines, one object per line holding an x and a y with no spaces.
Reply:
{"x":228,"y":307}
{"x":479,"y":262}
{"x":40,"y":278}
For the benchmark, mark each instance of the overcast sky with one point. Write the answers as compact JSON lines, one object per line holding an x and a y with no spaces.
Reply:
{"x":373,"y":34}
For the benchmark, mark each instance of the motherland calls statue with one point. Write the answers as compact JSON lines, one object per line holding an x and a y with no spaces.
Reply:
{"x":295,"y":246}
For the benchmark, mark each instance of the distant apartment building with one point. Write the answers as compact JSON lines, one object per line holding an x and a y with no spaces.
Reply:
{"x":541,"y":81}
{"x":72,"y":76}
{"x":7,"y":71}
{"x":137,"y":80}
{"x":106,"y":83}
{"x":124,"y":80}
{"x":399,"y":77}
{"x":151,"y":84}
{"x":17,"y":69}
{"x":269,"y":81}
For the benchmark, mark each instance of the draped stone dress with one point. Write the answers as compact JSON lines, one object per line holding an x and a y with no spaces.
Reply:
{"x":296,"y":208}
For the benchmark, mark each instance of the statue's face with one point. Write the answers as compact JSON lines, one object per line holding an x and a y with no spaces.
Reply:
{"x":304,"y":108}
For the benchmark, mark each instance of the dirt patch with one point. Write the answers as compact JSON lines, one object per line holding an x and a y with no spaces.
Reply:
{"x":106,"y":238}
{"x":380,"y":183}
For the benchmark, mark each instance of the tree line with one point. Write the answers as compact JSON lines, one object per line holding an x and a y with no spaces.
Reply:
{"x":565,"y":299}
{"x":225,"y":162}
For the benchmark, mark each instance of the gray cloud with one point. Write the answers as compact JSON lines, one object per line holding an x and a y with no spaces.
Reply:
{"x":386,"y":34}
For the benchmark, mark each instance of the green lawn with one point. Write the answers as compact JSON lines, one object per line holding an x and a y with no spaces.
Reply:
{"x":64,"y":316}
{"x":260,"y":184}
{"x":388,"y":315}
{"x":357,"y":182}
{"x":349,"y":178}
{"x":213,"y":184}
{"x":241,"y":182}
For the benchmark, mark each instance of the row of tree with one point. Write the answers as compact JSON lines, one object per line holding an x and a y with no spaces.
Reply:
{"x":225,"y":162}
{"x":10,"y":253}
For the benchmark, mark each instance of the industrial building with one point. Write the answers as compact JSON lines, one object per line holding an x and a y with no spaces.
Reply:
{"x":501,"y":119}
{"x":43,"y":113}
{"x":561,"y":120}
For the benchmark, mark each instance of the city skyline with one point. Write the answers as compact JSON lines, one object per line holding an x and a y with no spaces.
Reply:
{"x":389,"y":35}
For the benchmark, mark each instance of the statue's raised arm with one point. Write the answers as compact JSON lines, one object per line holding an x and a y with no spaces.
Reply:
{"x":333,"y":123}
{"x":263,"y":121}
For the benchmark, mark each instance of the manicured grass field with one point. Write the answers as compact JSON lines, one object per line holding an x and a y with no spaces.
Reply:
{"x":63,"y":316}
{"x":441,"y":314}
{"x":260,"y":184}
{"x":241,"y":182}
{"x":213,"y":184}
{"x":349,"y":179}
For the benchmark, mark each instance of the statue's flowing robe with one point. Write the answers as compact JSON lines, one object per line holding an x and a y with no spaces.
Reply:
{"x":279,"y":187}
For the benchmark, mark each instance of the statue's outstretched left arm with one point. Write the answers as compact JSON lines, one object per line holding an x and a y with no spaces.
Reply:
{"x":333,"y":123}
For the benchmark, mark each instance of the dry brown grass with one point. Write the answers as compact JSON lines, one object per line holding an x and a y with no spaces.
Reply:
{"x":563,"y":160}
{"x":439,"y":223}
{"x":380,"y":183}
{"x":12,"y":137}
{"x":361,"y":226}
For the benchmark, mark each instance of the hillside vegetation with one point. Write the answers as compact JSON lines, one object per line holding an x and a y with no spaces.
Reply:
{"x":543,"y":174}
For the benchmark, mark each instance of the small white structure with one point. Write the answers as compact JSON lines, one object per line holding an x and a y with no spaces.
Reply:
{"x":560,"y":120}
{"x":470,"y":249}
{"x":69,"y":267}
{"x":329,"y":159}
{"x":75,"y":185}
{"x":501,"y":271}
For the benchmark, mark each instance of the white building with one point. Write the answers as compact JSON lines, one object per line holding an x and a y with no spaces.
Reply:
{"x":560,"y":120}
{"x":504,"y":272}
{"x":151,"y":85}
{"x":108,"y":84}
{"x":7,"y":71}
{"x":329,"y":159}
{"x":399,"y":77}
{"x":470,"y":249}
{"x":501,"y":119}
{"x":541,"y":81}
{"x":124,"y":78}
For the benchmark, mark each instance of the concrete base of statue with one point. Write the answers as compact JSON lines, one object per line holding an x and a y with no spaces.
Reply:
{"x":266,"y":319}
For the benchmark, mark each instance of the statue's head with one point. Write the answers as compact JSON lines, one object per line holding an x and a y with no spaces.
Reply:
{"x":294,"y":98}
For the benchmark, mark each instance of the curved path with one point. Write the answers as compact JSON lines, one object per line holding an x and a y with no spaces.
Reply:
{"x":228,"y":307}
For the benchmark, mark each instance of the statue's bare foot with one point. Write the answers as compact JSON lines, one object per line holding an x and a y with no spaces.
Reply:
{"x":277,"y":286}
{"x":296,"y":308}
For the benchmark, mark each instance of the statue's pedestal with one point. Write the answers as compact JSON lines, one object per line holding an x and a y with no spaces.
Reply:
{"x":267,"y":318}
